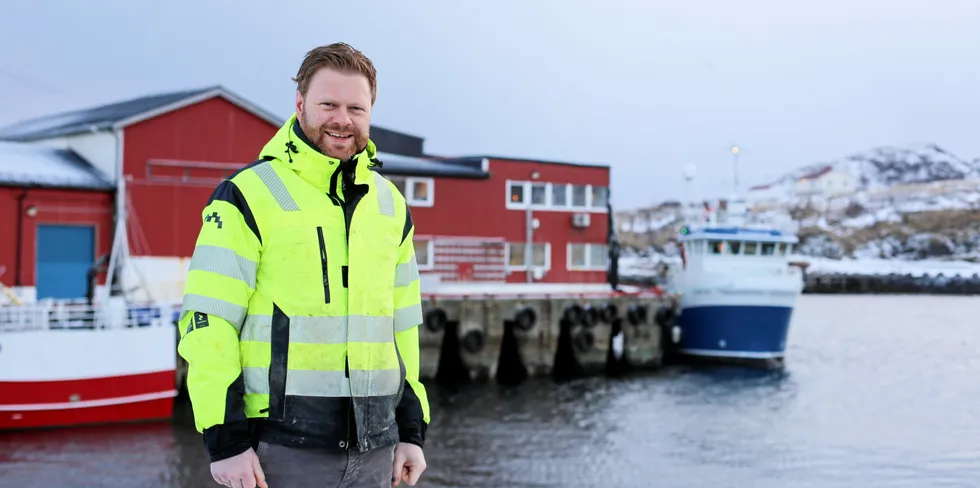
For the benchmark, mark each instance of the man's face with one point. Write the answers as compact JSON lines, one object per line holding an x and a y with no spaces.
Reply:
{"x":336,"y":112}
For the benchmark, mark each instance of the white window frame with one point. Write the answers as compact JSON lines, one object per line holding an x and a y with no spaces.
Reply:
{"x":429,"y":201}
{"x":430,"y":253}
{"x":523,"y":267}
{"x":409,"y":192}
{"x":526,"y":195}
{"x":549,"y":205}
{"x":588,"y":257}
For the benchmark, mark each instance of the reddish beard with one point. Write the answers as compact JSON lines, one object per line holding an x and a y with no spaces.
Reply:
{"x":317,"y":135}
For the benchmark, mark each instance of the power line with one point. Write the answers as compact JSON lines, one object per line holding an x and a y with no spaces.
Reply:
{"x":26,"y":80}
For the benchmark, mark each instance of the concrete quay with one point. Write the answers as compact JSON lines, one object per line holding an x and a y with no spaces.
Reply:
{"x":507,"y":339}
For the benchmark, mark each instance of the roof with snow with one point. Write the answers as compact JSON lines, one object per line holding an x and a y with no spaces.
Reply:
{"x":121,"y":114}
{"x":27,"y":165}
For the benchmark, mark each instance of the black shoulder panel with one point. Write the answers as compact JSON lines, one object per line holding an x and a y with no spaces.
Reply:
{"x":408,"y":223}
{"x":227,"y":191}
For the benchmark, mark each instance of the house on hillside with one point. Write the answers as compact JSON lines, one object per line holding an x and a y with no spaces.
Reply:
{"x":60,"y":185}
{"x":766,"y":195}
{"x":826,"y":182}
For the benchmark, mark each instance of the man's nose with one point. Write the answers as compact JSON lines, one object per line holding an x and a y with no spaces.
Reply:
{"x":341,"y":118}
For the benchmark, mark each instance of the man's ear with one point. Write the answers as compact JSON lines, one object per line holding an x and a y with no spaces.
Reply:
{"x":299,"y":102}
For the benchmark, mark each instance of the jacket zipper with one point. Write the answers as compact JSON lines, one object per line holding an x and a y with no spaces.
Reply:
{"x":323,"y":265}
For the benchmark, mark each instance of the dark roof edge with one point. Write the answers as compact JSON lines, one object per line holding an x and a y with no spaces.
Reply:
{"x":394,"y":131}
{"x":535,"y":161}
{"x":434,"y":174}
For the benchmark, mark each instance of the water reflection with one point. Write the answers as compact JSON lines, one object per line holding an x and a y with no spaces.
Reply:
{"x":866,"y":400}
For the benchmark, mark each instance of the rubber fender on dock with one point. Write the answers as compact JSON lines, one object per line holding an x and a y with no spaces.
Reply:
{"x":584,"y":340}
{"x":435,"y":319}
{"x":574,"y":313}
{"x":665,"y":316}
{"x":591,"y":315}
{"x":451,"y":370}
{"x":609,"y":312}
{"x":525,"y":318}
{"x":566,"y":364}
{"x":617,"y":358}
{"x":511,"y":370}
{"x":636,"y":314}
{"x":473,"y":341}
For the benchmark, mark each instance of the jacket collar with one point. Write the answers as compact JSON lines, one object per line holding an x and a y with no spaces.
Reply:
{"x":288,"y":145}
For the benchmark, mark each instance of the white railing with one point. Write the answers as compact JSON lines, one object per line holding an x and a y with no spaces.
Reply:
{"x":74,"y":315}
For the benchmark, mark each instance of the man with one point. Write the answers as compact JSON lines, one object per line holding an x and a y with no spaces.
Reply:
{"x":302,"y":304}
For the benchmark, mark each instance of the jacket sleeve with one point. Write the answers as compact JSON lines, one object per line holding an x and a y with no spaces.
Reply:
{"x":412,"y":412}
{"x":219,"y":283}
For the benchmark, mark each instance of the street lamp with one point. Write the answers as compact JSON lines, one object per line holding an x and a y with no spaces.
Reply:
{"x":735,"y":167}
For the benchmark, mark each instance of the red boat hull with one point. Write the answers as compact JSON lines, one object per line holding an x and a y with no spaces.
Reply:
{"x":114,"y":399}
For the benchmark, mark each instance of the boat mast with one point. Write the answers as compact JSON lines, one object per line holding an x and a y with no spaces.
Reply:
{"x":119,"y":242}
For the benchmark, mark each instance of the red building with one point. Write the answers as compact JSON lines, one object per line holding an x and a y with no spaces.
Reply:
{"x":58,"y":197}
{"x":477,"y":229}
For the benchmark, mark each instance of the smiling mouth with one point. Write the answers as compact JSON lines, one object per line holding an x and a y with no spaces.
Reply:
{"x":341,"y":137}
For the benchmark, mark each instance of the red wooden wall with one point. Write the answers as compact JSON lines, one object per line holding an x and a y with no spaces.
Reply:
{"x":168,"y":210}
{"x":53,"y":207}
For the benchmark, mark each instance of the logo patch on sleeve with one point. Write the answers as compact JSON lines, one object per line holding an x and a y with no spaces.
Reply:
{"x":200,"y":320}
{"x":213,"y":218}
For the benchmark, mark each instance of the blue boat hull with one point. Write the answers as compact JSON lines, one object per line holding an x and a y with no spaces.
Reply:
{"x":737,"y":332}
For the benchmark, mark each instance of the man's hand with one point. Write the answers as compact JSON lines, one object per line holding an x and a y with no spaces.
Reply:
{"x":241,"y":471}
{"x":409,"y":464}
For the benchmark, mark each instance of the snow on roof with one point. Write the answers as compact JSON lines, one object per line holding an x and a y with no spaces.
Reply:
{"x":36,"y":166}
{"x":105,"y":117}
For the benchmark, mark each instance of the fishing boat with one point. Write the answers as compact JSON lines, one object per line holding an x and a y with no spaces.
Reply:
{"x":738,"y":286}
{"x":86,"y":360}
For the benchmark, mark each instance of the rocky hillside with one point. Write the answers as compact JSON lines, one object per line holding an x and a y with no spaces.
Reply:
{"x":883,"y":167}
{"x":913,"y":203}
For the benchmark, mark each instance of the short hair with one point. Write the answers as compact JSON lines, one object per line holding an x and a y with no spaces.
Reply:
{"x":338,"y":56}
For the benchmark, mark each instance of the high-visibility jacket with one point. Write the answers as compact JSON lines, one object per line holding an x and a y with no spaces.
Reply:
{"x":302,"y":304}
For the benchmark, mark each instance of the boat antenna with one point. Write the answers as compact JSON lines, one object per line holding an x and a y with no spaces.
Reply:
{"x":690,"y":171}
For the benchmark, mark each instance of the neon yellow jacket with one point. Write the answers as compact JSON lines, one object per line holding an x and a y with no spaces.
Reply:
{"x":302,"y":304}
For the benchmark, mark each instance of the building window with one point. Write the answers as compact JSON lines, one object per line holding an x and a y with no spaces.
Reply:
{"x":418,"y":192}
{"x":515,"y":193}
{"x":539,"y":195}
{"x":559,"y":195}
{"x":516,"y":253}
{"x":579,"y":195}
{"x":600,"y":196}
{"x":424,"y":255}
{"x":588,"y":256}
{"x":550,"y":196}
{"x":421,"y":191}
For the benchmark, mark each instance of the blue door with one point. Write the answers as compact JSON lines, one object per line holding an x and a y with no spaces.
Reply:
{"x":64,"y":255}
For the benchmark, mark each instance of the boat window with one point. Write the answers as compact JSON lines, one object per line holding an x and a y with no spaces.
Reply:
{"x":734,"y":246}
{"x":768,"y":248}
{"x":717,"y":247}
{"x":750,"y":248}
{"x":781,"y":250}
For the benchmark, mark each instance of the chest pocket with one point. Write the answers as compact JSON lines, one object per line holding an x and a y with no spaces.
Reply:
{"x":375,"y":237}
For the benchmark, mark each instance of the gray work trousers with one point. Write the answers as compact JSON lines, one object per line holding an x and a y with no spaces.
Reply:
{"x":292,"y":467}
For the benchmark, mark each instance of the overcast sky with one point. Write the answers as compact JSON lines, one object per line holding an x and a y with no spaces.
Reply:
{"x":643,"y":86}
